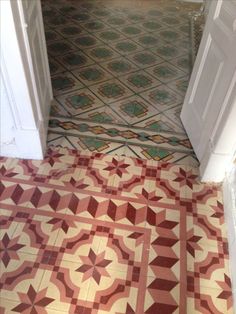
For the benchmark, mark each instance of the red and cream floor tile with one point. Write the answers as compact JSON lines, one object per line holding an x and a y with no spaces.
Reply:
{"x":97,"y":234}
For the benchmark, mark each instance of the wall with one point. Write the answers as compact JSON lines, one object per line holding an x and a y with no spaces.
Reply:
{"x":229,"y":191}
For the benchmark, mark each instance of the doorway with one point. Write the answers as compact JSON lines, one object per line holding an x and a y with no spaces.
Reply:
{"x":119,"y":76}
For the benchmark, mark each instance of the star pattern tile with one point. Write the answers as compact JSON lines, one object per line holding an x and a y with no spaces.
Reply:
{"x":86,"y":232}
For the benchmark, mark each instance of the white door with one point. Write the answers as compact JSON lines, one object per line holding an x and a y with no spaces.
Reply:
{"x":210,"y":98}
{"x":31,"y":14}
{"x":26,"y":79}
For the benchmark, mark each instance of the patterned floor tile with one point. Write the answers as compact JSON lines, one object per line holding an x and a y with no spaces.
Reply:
{"x":160,"y":123}
{"x":55,"y":67}
{"x":102,"y":53}
{"x":75,"y":60}
{"x":109,"y":36}
{"x":111,"y":91}
{"x":139,"y":81}
{"x":97,"y":233}
{"x":133,"y":109}
{"x":145,"y":59}
{"x":162,"y":97}
{"x":183,"y":63}
{"x":139,"y":47}
{"x":168,"y":51}
{"x":119,"y":66}
{"x":102,"y":115}
{"x":148,"y":40}
{"x":126,"y":46}
{"x":79,"y":101}
{"x":65,"y":82}
{"x":166,"y":73}
{"x":85,"y":41}
{"x":70,"y":30}
{"x":180,"y":85}
{"x":92,"y":74}
{"x":60,"y":47}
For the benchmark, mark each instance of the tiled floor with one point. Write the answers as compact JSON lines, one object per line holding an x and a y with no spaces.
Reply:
{"x":120,"y":70}
{"x":100,"y":234}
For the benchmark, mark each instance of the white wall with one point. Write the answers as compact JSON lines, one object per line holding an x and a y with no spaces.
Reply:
{"x":7,"y":126}
{"x":229,"y":192}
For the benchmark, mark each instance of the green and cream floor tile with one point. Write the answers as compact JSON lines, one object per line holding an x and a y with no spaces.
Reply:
{"x":109,"y":35}
{"x":70,"y":30}
{"x":162,"y":97}
{"x":93,"y":26}
{"x":126,"y":46}
{"x":65,"y":82}
{"x":92,"y":74}
{"x":144,"y":59}
{"x":165,"y":72}
{"x":119,"y":66}
{"x":174,"y":115}
{"x":160,"y":123}
{"x":180,"y":85}
{"x":168,"y":51}
{"x":55,"y":67}
{"x":74,"y":60}
{"x":133,"y":109}
{"x":60,"y":47}
{"x":79,"y":101}
{"x":139,"y":81}
{"x":102,"y":53}
{"x":183,"y":63}
{"x":85,"y":40}
{"x":111,"y":91}
{"x":102,"y":115}
{"x":119,"y":74}
{"x":148,"y":40}
{"x":120,"y":134}
{"x":51,"y":36}
{"x":132,"y":30}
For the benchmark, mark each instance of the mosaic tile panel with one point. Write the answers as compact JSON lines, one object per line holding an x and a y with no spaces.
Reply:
{"x":118,"y":52}
{"x":95,"y":233}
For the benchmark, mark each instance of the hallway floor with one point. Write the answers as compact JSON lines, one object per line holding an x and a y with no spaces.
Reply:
{"x":97,"y":234}
{"x":120,"y":70}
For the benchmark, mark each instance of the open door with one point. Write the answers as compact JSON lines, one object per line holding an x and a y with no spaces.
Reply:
{"x":209,"y":106}
{"x":26,"y":78}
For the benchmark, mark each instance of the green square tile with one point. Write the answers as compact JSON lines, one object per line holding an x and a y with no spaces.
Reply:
{"x":126,"y":46}
{"x":139,"y":81}
{"x":131,"y":30}
{"x":162,"y":97}
{"x":86,"y":41}
{"x":111,"y":91}
{"x":79,"y":101}
{"x":119,"y":66}
{"x":165,"y":72}
{"x":75,"y":60}
{"x":64,"y":82}
{"x":109,"y":35}
{"x":60,"y":47}
{"x":144,"y":59}
{"x":102,"y":53}
{"x":92,"y":74}
{"x":70,"y":30}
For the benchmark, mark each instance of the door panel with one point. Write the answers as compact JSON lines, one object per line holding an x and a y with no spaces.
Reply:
{"x":212,"y":75}
{"x":32,"y":14}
